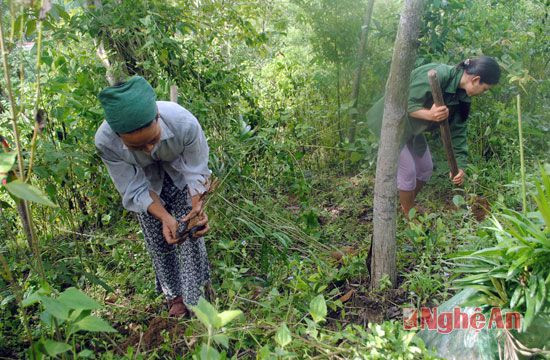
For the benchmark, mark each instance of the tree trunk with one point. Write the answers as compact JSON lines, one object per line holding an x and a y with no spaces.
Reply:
{"x":357,"y":77}
{"x":395,"y":112}
{"x":339,"y":104}
{"x":22,"y":211}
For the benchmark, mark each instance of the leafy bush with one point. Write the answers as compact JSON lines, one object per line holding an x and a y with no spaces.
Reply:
{"x":514,"y":273}
{"x":64,"y":317}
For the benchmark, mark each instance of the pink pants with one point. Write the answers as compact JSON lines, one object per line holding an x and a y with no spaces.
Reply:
{"x":412,"y":168}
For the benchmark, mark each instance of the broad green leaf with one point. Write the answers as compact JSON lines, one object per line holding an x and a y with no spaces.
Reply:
{"x":54,"y":348}
{"x":79,"y":314}
{"x":515,"y":297}
{"x":76,"y":299}
{"x":312,"y":328}
{"x":7,"y":159}
{"x":208,"y":353}
{"x":264,"y":353}
{"x":283,"y":337}
{"x":458,"y":200}
{"x":28,"y":192}
{"x":489,"y":251}
{"x":55,"y":308}
{"x":318,"y":308}
{"x":86,"y":353}
{"x":221,"y":339}
{"x":227,"y":316}
{"x":207,"y":313}
{"x":530,"y":312}
{"x":47,"y":319}
{"x":94,"y":324}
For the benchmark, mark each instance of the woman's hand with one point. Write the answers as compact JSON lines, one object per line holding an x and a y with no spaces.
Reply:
{"x":196,"y":208}
{"x":459,"y":178}
{"x":439,"y":113}
{"x":203,"y":222}
{"x":170,"y":229}
{"x":435,"y":114}
{"x":198,"y":212}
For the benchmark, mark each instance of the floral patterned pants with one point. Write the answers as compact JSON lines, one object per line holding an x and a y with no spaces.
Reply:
{"x":182,"y":269}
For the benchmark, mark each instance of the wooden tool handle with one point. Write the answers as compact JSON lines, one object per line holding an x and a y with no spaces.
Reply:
{"x":444,"y":125}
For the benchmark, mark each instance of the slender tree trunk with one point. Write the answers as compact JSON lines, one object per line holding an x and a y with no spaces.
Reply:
{"x":339,"y":104}
{"x":395,"y":112}
{"x":22,"y":211}
{"x":360,"y":61}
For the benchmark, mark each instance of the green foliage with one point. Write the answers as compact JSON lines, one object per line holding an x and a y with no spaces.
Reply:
{"x":513,"y":274}
{"x":318,"y":308}
{"x":64,"y":316}
{"x":7,"y":159}
{"x":283,"y":336}
{"x":214,"y":323}
{"x":336,"y":27}
{"x":24,"y":191}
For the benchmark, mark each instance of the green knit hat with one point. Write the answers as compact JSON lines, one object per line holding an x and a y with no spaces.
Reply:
{"x":130,"y":105}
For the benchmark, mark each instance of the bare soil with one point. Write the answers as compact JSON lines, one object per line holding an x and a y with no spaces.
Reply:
{"x":154,"y":336}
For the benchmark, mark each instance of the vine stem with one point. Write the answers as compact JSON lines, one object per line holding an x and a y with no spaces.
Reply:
{"x":15,"y":113}
{"x":35,"y":112}
{"x":12,"y":101}
{"x":521,"y":158}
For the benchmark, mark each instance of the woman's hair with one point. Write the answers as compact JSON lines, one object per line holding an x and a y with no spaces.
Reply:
{"x":484,"y":66}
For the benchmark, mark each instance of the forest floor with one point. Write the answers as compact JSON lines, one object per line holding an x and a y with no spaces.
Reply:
{"x":340,"y":217}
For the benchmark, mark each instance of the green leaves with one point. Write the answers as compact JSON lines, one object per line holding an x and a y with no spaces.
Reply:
{"x":72,"y":307}
{"x":210,"y":317}
{"x":208,"y":353}
{"x":283,"y":337}
{"x":54,"y":348}
{"x":206,"y":313}
{"x":76,"y":299}
{"x":55,"y":308}
{"x":227,"y":316}
{"x":318,"y":308}
{"x":458,"y":201}
{"x":28,"y":192}
{"x":93,"y":324}
{"x":213,"y":320}
{"x":7,"y":159}
{"x":512,"y":273}
{"x":66,"y":314}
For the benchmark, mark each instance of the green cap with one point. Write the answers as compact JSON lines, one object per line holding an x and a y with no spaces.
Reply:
{"x":130,"y":105}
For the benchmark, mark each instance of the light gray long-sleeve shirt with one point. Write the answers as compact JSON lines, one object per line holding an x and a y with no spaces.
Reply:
{"x":182,"y":153}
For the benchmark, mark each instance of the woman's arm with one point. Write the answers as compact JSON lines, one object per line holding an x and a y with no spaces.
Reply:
{"x":435,"y":114}
{"x":169,"y":223}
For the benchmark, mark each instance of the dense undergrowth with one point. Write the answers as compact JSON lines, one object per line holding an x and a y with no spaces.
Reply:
{"x":292,"y":218}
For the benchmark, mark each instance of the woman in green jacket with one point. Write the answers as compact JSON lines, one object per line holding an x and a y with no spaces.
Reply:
{"x":459,"y":83}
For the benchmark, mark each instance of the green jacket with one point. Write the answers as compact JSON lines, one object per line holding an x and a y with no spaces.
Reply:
{"x":420,"y":96}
